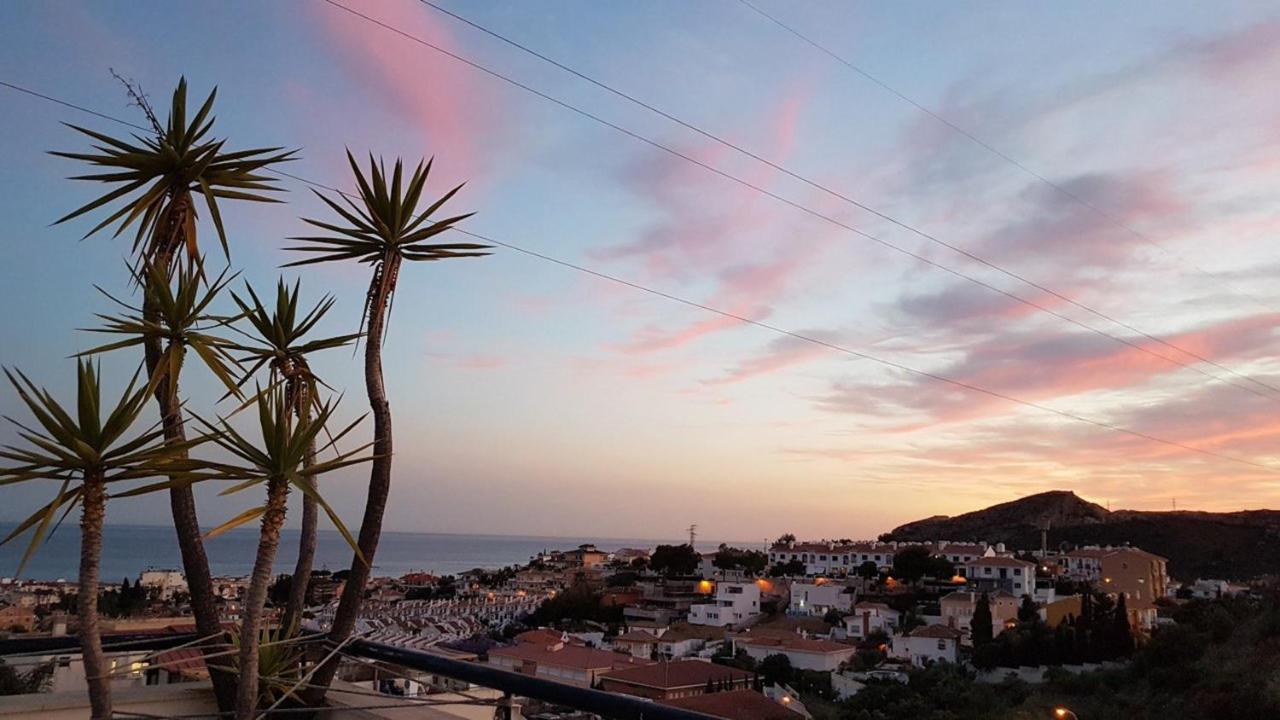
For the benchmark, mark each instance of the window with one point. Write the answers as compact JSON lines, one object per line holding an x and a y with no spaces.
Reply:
{"x":942,"y":645}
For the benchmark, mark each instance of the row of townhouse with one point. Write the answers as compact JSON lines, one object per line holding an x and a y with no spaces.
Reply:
{"x":844,"y":558}
{"x":830,"y":558}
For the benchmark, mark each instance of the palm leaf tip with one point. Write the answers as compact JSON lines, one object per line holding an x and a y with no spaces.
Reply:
{"x":153,"y":178}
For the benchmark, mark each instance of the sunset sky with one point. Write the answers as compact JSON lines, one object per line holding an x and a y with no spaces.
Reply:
{"x":530,"y":398}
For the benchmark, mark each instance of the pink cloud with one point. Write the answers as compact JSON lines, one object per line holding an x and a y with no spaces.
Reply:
{"x":706,"y":219}
{"x":781,"y":354}
{"x":1040,"y":367}
{"x":452,"y":113}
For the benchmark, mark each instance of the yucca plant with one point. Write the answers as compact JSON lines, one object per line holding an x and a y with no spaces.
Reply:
{"x":277,"y":340}
{"x":280,"y":665}
{"x":175,"y":317}
{"x":86,"y":455}
{"x":388,"y":225}
{"x":274,"y":460}
{"x":153,"y":182}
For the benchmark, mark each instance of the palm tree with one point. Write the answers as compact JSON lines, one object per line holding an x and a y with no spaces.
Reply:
{"x":278,"y":343}
{"x":85,"y":454}
{"x":384,"y":229}
{"x":276,"y":460}
{"x":154,"y":181}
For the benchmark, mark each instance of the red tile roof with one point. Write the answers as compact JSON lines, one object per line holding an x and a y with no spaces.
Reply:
{"x":999,"y":562}
{"x":735,"y":705}
{"x":542,"y":637}
{"x":677,"y":674}
{"x":636,"y":636}
{"x":796,"y":643}
{"x":937,"y":631}
{"x":570,"y":656}
{"x":182,"y":661}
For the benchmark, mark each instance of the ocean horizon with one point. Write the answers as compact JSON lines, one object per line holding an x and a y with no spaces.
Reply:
{"x":129,"y":549}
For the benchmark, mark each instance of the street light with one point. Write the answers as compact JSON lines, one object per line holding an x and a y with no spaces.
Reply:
{"x":1064,"y":714}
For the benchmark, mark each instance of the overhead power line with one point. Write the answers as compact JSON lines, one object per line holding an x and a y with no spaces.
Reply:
{"x":827,"y":218}
{"x":964,"y":385}
{"x":1059,"y":187}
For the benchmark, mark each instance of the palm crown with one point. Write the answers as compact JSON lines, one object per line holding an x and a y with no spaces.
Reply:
{"x":181,"y":321}
{"x":385,"y":226}
{"x":278,"y":341}
{"x":278,"y":455}
{"x":156,"y":176}
{"x":72,"y":447}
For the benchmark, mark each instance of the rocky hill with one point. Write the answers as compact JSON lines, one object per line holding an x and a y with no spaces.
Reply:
{"x":1237,"y":545}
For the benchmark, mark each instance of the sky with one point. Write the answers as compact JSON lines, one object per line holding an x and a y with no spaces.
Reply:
{"x":1121,"y":158}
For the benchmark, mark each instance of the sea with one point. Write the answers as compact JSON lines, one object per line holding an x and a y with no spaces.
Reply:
{"x":127,"y":550}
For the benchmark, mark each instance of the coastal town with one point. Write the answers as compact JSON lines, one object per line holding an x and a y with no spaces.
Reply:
{"x":777,"y":633}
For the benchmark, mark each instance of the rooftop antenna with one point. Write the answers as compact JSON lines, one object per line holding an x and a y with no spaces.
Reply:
{"x":693,"y":534}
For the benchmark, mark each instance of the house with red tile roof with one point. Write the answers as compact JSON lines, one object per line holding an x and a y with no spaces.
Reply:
{"x":570,"y":664}
{"x":929,"y":644}
{"x":804,"y":653}
{"x":676,"y":679}
{"x":736,"y":705}
{"x":639,"y":643}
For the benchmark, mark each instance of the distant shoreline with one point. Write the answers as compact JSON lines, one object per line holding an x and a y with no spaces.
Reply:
{"x":128,"y":549}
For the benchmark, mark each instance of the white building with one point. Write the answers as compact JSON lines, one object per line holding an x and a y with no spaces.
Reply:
{"x":1000,"y":573}
{"x":831,"y":558}
{"x":734,"y":603}
{"x":164,"y":582}
{"x":803,"y":653}
{"x":819,"y":597}
{"x":871,"y":617}
{"x":1082,"y":564}
{"x":927,"y":645}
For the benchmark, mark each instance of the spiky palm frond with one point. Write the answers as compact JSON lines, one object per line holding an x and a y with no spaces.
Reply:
{"x":182,"y":321}
{"x":68,"y":447}
{"x":278,"y":340}
{"x":155,"y":178}
{"x":386,"y":226}
{"x":281,"y":659}
{"x":279,"y":453}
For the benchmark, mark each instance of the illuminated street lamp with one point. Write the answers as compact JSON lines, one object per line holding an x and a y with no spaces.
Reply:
{"x":1064,"y":714}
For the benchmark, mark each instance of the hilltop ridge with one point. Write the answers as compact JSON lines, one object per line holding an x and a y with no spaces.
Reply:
{"x":1235,"y":545}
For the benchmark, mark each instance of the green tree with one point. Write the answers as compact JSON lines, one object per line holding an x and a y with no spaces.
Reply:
{"x":1028,"y":611}
{"x":752,"y":562}
{"x":791,"y":568}
{"x":674,"y":560}
{"x":916,"y":562}
{"x":776,"y":669}
{"x":383,"y":229}
{"x":277,"y":339}
{"x":869,"y":570}
{"x":980,"y":625}
{"x":274,"y":461}
{"x":1121,"y":635}
{"x":155,"y":179}
{"x":86,"y":453}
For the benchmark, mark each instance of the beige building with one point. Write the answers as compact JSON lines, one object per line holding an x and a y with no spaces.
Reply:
{"x":1138,"y":574}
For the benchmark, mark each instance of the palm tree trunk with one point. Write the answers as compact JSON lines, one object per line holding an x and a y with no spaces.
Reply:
{"x":344,"y":619}
{"x":95,"y":664}
{"x":182,"y":501}
{"x":306,"y":550}
{"x":256,"y":598}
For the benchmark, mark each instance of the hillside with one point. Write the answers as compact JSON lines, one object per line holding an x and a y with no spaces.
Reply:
{"x":1237,"y":545}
